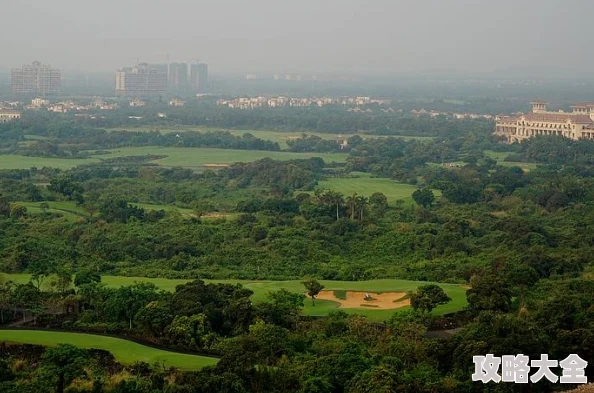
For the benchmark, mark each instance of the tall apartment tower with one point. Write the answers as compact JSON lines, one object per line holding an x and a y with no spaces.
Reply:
{"x":36,"y":79}
{"x":178,"y":77}
{"x":199,"y":77}
{"x":142,"y":80}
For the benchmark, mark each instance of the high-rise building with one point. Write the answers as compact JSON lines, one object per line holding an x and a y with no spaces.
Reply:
{"x":36,"y":79}
{"x":199,"y":77}
{"x":178,"y":77}
{"x":142,"y":80}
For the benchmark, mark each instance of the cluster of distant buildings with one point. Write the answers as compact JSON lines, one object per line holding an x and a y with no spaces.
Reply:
{"x":279,"y":102}
{"x":13,"y":110}
{"x":450,"y":115}
{"x":153,"y":80}
{"x":8,"y":111}
{"x":141,"y":80}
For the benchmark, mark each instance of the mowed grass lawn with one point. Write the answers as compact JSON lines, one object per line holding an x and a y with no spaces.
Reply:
{"x":190,"y":157}
{"x":23,"y":162}
{"x":321,"y":308}
{"x":125,"y":352}
{"x":187,"y":157}
{"x":366,"y":186}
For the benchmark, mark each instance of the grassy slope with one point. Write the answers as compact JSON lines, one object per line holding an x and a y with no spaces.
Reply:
{"x":67,"y":209}
{"x":322,"y":307}
{"x":125,"y":352}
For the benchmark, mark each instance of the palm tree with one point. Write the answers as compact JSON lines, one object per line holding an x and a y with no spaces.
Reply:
{"x":352,"y":205}
{"x":338,"y":200}
{"x":361,"y":202}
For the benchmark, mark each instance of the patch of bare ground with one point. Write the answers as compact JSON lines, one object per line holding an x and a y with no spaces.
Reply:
{"x":355,"y":299}
{"x":583,"y":389}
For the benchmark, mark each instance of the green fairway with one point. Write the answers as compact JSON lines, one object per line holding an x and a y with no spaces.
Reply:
{"x":366,"y":186}
{"x":187,"y":157}
{"x":125,"y":352}
{"x":195,"y":158}
{"x":322,"y":307}
{"x":68,"y":209}
{"x":23,"y":162}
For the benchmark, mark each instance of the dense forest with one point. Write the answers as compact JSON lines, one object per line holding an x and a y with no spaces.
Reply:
{"x":519,"y":238}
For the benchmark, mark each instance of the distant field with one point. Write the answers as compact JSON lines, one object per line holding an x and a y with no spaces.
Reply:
{"x":23,"y":162}
{"x":501,"y":156}
{"x":125,"y":352}
{"x":366,"y":186}
{"x":71,"y":211}
{"x":322,"y":307}
{"x":275,"y":136}
{"x":66,"y":208}
{"x":195,"y":158}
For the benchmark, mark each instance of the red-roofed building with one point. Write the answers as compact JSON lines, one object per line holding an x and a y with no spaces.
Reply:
{"x":578,"y":124}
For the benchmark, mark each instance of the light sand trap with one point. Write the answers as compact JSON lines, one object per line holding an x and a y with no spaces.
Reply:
{"x":216,"y":215}
{"x":355,"y":299}
{"x":216,"y":165}
{"x":209,"y":215}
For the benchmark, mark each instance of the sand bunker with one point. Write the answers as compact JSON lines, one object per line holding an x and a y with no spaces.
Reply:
{"x":217,"y":215}
{"x":381,"y":301}
{"x":216,"y":165}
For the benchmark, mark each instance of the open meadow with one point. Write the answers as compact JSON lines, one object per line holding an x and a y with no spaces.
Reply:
{"x":322,"y":306}
{"x":126,"y":352}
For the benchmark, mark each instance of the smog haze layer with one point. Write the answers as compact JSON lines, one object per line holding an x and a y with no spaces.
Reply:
{"x":343,"y":36}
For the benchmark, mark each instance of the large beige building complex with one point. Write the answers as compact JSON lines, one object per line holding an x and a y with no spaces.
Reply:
{"x":578,"y":124}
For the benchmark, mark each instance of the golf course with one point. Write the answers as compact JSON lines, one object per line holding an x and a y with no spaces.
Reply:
{"x":365,"y":185}
{"x":376,"y":311}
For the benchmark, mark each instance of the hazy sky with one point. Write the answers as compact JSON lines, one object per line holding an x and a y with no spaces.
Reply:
{"x":351,"y":36}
